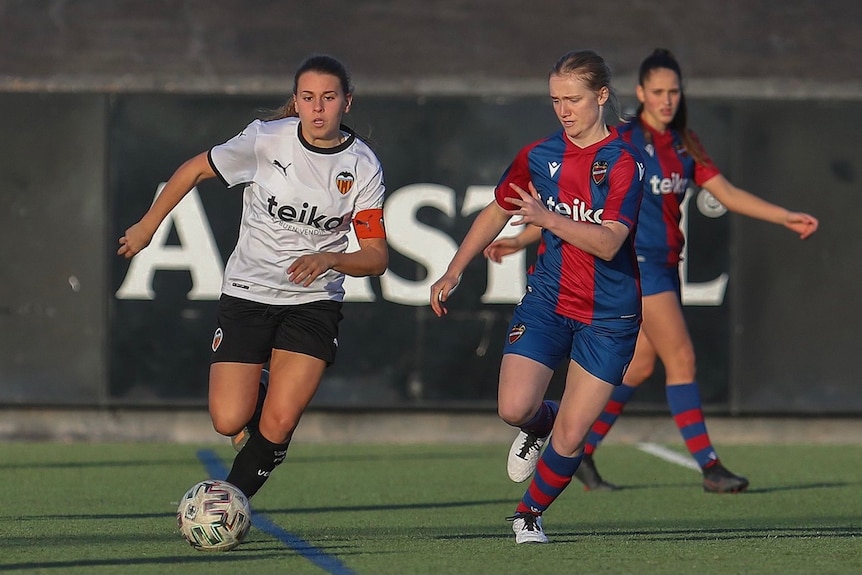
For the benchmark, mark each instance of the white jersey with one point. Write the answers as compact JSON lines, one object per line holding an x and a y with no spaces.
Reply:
{"x":298,"y":199}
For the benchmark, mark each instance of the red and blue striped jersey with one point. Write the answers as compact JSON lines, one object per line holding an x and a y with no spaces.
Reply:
{"x":669,"y":171}
{"x":602,"y":182}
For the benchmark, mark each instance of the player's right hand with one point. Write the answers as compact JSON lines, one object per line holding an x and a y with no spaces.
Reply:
{"x":136,"y":238}
{"x":440,"y":292}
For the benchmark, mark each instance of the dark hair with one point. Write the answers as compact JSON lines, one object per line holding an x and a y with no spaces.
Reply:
{"x":322,"y":64}
{"x":591,"y":68}
{"x":662,"y":58}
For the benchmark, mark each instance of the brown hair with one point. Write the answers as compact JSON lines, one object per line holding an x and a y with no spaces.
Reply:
{"x":320,"y":63}
{"x":661,"y":58}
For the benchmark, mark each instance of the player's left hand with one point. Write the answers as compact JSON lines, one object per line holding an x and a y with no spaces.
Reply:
{"x":308,"y":268}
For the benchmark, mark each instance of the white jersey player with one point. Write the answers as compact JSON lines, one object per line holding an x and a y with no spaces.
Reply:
{"x":305,"y":178}
{"x":298,"y":199}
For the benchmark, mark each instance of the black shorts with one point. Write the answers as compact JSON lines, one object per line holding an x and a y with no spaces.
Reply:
{"x":248,"y":331}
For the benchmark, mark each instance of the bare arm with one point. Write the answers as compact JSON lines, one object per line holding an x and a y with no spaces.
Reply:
{"x":186,"y":177}
{"x":485,"y":228}
{"x":505,"y":246}
{"x":371,"y":259}
{"x":745,"y":203}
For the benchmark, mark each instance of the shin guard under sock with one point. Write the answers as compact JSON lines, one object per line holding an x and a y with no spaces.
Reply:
{"x":253,"y":465}
{"x":687,"y":410}
{"x":614,"y":407}
{"x":553,"y":474}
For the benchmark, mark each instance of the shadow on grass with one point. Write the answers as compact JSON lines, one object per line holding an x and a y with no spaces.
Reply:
{"x":749,"y":491}
{"x":655,"y":534}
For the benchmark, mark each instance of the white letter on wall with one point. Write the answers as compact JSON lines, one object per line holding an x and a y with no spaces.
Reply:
{"x":702,"y":293}
{"x":423,"y":244}
{"x":197,"y":253}
{"x":507,"y":280}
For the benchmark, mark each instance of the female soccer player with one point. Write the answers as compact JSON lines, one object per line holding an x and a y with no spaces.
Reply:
{"x":582,"y":186}
{"x":673,"y":157}
{"x":305,"y":178}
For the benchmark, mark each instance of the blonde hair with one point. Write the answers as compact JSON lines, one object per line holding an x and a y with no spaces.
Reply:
{"x":591,"y":68}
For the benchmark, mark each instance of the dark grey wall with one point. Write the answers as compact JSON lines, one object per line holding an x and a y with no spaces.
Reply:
{"x":480,"y":46}
{"x":796,"y":304}
{"x":53,"y":210}
{"x":101,"y":99}
{"x":84,"y":167}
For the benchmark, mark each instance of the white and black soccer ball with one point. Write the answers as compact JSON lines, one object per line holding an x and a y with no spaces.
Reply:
{"x":214,"y":515}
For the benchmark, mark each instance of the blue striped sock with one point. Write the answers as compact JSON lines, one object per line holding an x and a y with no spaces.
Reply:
{"x":542,"y":423}
{"x":553,"y":474}
{"x":619,"y":398}
{"x":687,"y":410}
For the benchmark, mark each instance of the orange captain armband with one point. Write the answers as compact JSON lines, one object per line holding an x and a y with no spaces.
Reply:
{"x":368,"y":224}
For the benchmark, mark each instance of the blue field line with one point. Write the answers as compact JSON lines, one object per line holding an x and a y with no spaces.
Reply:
{"x":216,"y":469}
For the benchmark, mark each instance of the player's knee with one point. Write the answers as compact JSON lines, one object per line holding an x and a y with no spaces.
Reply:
{"x":515,"y":414}
{"x":278,"y":428}
{"x":227,"y":424}
{"x":682,"y":367}
{"x":637,"y":373}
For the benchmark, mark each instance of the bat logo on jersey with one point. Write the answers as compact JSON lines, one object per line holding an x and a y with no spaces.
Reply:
{"x":344,"y":181}
{"x":218,"y":336}
{"x":516,"y":332}
{"x":599,"y":171}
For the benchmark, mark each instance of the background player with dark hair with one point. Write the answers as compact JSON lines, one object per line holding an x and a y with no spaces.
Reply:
{"x":583,"y":298}
{"x":674,"y":158}
{"x":305,"y":178}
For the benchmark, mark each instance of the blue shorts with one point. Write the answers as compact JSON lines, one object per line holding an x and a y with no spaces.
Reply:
{"x":659,"y":278}
{"x":603,"y":348}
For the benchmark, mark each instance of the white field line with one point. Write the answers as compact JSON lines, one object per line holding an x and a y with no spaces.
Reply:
{"x":668,"y":455}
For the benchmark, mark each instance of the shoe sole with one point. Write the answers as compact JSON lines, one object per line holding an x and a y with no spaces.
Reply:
{"x":738,"y":489}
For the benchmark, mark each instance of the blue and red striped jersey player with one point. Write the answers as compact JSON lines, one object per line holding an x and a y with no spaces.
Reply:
{"x":675,"y":160}
{"x":591,"y":185}
{"x":670,"y":171}
{"x":582,"y":186}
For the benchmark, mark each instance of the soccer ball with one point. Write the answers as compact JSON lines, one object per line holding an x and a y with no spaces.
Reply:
{"x":214,"y":515}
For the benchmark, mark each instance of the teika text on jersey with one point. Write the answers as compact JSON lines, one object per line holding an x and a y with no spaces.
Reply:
{"x":305,"y":216}
{"x":578,"y":211}
{"x":675,"y":184}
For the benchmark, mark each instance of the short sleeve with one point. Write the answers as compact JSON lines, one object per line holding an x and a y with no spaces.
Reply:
{"x":706,"y":169}
{"x":626,"y":190}
{"x":371,"y":195}
{"x":235,"y":161}
{"x":517,"y":173}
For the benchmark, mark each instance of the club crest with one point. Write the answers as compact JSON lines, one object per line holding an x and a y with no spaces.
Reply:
{"x":599,"y":171}
{"x":344,"y":181}
{"x":217,"y":337}
{"x":516,"y":332}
